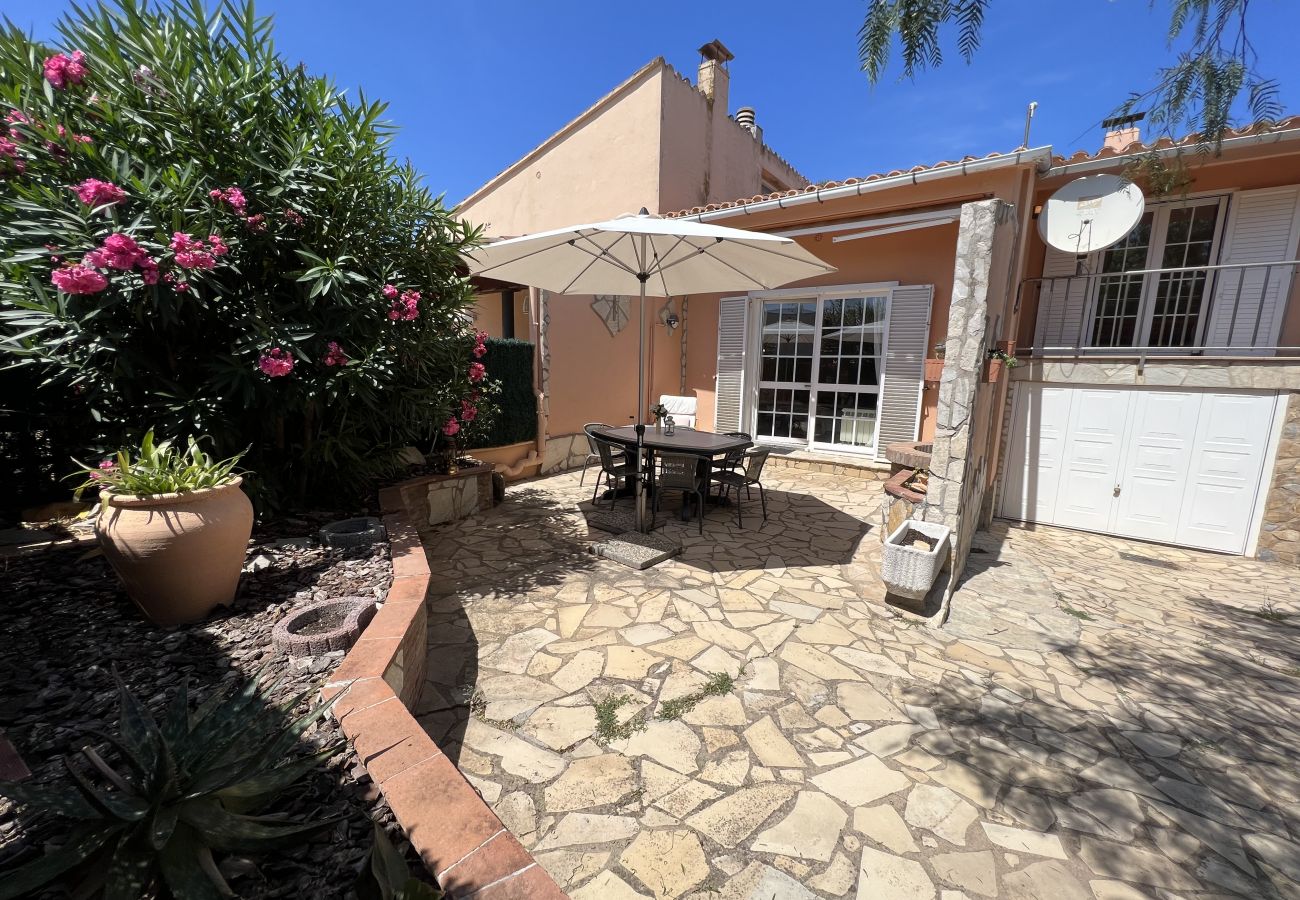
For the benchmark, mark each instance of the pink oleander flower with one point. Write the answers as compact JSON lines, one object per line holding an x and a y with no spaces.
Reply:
{"x":8,"y":148}
{"x":61,"y":71}
{"x":94,"y":192}
{"x":477,"y":371}
{"x":219,"y":247}
{"x":452,"y":428}
{"x":148,"y":271}
{"x":119,"y":251}
{"x":389,"y":292}
{"x":15,"y":117}
{"x":232,"y":197}
{"x":294,"y":218}
{"x":275,"y":363}
{"x":192,"y":253}
{"x":78,"y":279}
{"x":468,"y":411}
{"x":256,"y":223}
{"x":480,"y":350}
{"x":335,"y":356}
{"x":406,"y":307}
{"x":480,"y":337}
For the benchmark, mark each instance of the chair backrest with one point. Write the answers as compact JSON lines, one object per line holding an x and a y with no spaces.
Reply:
{"x":606,"y":451}
{"x":754,"y":462}
{"x":736,"y":457}
{"x":679,"y":472}
{"x":591,"y":438}
{"x":678,"y":406}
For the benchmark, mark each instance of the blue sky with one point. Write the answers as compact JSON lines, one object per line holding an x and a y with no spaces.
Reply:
{"x":476,"y":84}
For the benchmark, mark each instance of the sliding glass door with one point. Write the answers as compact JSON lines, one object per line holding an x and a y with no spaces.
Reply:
{"x":820,"y":370}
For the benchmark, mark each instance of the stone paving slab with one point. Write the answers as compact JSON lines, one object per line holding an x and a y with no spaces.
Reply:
{"x":750,"y":720}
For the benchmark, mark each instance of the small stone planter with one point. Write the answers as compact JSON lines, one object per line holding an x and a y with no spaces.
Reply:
{"x":348,"y":534}
{"x":910,"y":571}
{"x":323,"y":627}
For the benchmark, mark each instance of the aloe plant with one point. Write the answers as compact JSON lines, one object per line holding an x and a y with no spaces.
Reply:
{"x":159,"y":468}
{"x":186,"y":786}
{"x":386,"y":876}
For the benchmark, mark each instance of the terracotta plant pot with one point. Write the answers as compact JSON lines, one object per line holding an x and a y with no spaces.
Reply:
{"x":179,"y":555}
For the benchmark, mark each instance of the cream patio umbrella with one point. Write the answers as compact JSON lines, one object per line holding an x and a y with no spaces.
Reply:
{"x":648,"y":256}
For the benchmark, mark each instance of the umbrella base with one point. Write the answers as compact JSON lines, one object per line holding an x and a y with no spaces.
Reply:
{"x":637,"y":551}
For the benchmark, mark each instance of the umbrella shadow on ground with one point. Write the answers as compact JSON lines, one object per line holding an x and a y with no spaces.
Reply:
{"x":800,"y":530}
{"x":532,"y":541}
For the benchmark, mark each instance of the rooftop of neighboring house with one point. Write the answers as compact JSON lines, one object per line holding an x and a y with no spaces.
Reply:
{"x":713,"y":76}
{"x":1119,"y":143}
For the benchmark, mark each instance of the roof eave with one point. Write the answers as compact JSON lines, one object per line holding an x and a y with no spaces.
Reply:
{"x":1038,"y":156}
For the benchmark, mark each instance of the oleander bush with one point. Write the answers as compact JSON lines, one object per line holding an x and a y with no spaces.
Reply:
{"x":197,"y":235}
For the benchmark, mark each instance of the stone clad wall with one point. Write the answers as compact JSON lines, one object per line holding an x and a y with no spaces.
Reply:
{"x":1279,"y":538}
{"x":968,"y":405}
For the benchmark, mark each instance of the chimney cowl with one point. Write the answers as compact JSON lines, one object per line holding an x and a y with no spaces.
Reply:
{"x":745,"y":119}
{"x":1122,"y":131}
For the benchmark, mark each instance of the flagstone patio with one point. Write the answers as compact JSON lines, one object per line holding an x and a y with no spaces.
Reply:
{"x":1100,"y":718}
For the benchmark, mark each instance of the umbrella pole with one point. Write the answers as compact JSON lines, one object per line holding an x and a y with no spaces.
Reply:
{"x":640,"y":396}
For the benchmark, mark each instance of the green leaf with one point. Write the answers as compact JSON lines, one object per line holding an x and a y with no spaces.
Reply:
{"x":227,"y":831}
{"x":80,"y":846}
{"x":181,"y":868}
{"x":60,"y":801}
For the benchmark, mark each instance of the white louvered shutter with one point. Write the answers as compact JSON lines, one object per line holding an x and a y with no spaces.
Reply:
{"x":1061,"y":303}
{"x":730,"y":384}
{"x":1248,"y":303}
{"x":900,"y":391}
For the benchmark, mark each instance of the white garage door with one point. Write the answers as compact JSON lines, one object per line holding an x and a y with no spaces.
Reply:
{"x":1180,"y":467}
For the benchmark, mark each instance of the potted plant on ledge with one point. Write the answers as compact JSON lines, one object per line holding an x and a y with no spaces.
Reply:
{"x":174,"y":524}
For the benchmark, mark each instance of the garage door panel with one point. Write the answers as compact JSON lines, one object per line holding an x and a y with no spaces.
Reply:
{"x":1092,"y":457}
{"x":1159,"y":440}
{"x":1042,"y":418}
{"x":1224,"y":476}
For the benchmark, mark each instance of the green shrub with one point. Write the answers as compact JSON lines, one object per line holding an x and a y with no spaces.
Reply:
{"x":184,"y":788}
{"x":515,"y":416}
{"x":199,"y":236}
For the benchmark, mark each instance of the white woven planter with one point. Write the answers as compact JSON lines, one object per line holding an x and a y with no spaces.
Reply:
{"x":910,"y":571}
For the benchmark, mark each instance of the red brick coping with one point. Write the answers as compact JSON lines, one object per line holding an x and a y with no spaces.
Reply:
{"x":458,"y":837}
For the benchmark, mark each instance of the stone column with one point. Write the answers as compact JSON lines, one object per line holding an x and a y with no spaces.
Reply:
{"x":1279,"y":538}
{"x":966,"y":415}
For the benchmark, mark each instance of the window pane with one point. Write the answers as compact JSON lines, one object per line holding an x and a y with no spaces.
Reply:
{"x":803,"y":370}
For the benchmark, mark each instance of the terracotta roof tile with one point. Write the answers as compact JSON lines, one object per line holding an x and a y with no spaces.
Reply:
{"x":825,"y":185}
{"x":1165,"y":143}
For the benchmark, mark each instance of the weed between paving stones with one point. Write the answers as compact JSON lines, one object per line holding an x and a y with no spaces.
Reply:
{"x":608,"y":727}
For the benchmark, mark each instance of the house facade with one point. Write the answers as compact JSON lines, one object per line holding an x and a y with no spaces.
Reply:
{"x":1156,"y":392}
{"x":655,"y":141}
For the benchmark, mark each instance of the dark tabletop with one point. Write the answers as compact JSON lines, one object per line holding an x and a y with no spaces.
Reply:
{"x":684,"y":440}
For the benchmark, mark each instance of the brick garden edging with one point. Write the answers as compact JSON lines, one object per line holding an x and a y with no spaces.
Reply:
{"x":458,"y":837}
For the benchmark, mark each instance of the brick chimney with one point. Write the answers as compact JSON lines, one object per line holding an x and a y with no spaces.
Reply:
{"x":1122,"y":131}
{"x":714,"y":79}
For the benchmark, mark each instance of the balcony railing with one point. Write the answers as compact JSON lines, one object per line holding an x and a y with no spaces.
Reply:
{"x":1193,"y":311}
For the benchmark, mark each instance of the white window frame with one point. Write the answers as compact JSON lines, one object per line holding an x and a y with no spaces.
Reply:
{"x":1155,"y":252}
{"x":754,"y":356}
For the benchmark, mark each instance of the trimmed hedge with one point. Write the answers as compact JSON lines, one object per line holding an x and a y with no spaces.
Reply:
{"x":510,"y":364}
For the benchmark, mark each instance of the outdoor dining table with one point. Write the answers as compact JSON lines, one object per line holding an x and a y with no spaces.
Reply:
{"x":705,"y":444}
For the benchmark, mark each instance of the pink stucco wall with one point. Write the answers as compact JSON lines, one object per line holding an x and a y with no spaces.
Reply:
{"x":924,"y":256}
{"x":657,"y":142}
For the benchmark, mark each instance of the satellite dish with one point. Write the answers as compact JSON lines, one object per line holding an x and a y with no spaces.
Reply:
{"x":1090,"y":213}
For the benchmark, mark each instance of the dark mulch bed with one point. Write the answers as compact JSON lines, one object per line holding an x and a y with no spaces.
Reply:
{"x":67,"y":623}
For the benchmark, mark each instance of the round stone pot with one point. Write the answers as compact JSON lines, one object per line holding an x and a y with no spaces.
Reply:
{"x":323,"y":627}
{"x":179,"y":555}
